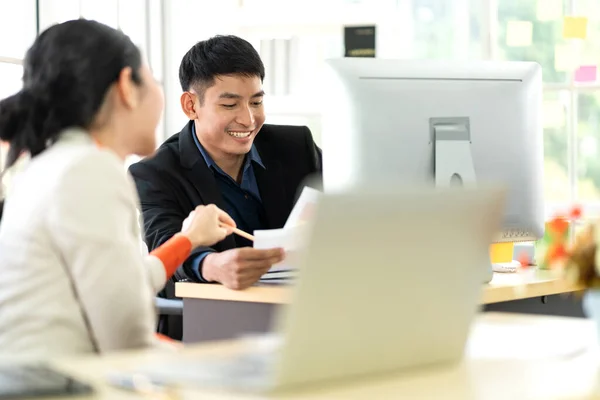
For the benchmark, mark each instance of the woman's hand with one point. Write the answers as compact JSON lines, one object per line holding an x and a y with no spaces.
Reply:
{"x":207,"y":225}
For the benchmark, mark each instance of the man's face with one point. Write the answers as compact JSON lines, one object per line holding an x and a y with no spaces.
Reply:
{"x":231,"y":115}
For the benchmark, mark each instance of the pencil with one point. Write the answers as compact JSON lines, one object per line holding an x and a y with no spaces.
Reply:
{"x":240,"y":232}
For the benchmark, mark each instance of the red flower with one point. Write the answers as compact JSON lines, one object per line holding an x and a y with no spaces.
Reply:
{"x":575,"y":212}
{"x":557,"y":252}
{"x":558,"y":226}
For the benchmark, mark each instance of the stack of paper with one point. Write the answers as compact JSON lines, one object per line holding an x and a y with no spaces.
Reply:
{"x":289,"y":239}
{"x":292,"y":237}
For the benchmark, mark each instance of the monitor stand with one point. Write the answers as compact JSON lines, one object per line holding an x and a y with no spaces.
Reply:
{"x":453,"y":160}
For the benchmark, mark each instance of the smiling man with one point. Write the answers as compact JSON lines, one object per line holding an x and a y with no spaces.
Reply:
{"x":225,"y":155}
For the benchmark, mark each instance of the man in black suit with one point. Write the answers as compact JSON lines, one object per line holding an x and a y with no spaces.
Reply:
{"x":226,"y":156}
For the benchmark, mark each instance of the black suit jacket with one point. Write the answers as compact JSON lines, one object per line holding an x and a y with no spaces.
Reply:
{"x":176,"y":179}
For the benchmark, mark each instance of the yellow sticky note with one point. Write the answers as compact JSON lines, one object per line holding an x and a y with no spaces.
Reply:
{"x":519,"y":33}
{"x":575,"y":27}
{"x":553,"y":114}
{"x":566,"y":57}
{"x":549,"y":10}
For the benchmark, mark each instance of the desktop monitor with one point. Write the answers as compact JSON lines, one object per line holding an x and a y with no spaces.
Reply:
{"x":443,"y":122}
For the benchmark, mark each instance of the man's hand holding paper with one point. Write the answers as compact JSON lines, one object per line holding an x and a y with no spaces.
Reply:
{"x":240,"y":268}
{"x":291,"y":237}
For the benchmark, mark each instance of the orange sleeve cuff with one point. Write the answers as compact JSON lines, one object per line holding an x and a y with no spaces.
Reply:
{"x":173,"y":253}
{"x":164,"y":338}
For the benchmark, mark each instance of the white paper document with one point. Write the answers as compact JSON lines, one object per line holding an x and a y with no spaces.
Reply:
{"x":292,"y":237}
{"x":304,"y":208}
{"x":291,"y":240}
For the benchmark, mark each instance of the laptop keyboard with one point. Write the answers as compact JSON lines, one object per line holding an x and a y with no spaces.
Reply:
{"x":249,"y":370}
{"x":247,"y":366}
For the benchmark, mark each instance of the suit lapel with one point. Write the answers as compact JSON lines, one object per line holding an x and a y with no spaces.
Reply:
{"x":272,"y":193}
{"x":205,"y":184}
{"x":269,"y":179}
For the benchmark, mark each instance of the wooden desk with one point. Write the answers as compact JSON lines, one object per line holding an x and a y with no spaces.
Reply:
{"x":508,"y":357}
{"x":533,"y":283}
{"x":213,"y":312}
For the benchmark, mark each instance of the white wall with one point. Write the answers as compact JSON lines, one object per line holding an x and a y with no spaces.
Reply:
{"x":186,"y":23}
{"x":314,"y":37}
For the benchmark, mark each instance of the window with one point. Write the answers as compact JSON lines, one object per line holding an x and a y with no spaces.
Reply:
{"x":556,"y":107}
{"x":586,"y":100}
{"x":544,"y":46}
{"x":19,"y":21}
{"x":18,"y":28}
{"x":546,"y":38}
{"x":57,"y":11}
{"x":447,"y":30}
{"x":571,"y":108}
{"x":520,"y":30}
{"x":105,"y":11}
{"x":10,"y":78}
{"x":588,"y":156}
{"x":133,"y":17}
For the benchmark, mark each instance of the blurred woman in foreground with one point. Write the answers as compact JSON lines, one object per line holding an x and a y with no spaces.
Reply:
{"x":73,"y":279}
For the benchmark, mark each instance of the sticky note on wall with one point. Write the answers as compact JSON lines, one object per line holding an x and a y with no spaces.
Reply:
{"x":586,"y":73}
{"x":519,"y":33}
{"x":549,"y":10}
{"x":566,"y":57}
{"x":575,"y":27}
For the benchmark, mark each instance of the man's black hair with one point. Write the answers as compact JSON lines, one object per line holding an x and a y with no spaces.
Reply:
{"x":219,"y":55}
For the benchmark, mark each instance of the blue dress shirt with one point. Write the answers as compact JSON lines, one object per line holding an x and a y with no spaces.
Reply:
{"x":241,"y":201}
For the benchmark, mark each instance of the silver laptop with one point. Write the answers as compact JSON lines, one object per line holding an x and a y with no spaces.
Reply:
{"x":390,"y":280}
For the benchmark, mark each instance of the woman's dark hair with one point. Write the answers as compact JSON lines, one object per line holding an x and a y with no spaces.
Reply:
{"x":66,"y":75}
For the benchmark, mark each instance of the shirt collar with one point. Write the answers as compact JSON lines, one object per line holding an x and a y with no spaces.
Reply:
{"x":252,"y":156}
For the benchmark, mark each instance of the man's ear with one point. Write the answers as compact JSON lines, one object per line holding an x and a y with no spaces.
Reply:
{"x":125,"y":88}
{"x":188,"y":105}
